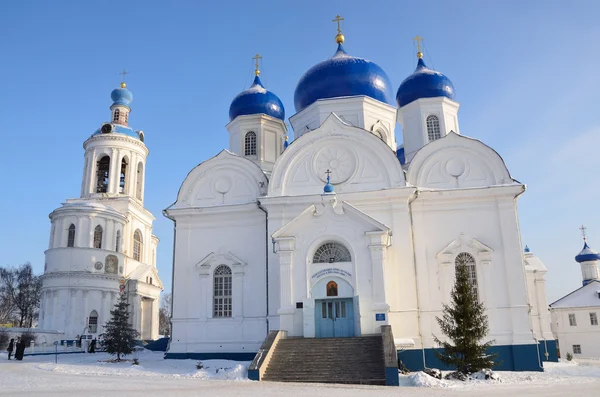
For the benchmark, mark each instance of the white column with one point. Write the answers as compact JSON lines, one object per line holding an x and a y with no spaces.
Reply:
{"x":91,"y":183}
{"x":109,"y":236}
{"x":71,"y":315}
{"x":238,"y":292}
{"x":52,"y":233}
{"x":55,"y":297}
{"x":378,"y":247}
{"x":79,"y":233}
{"x":42,"y":310}
{"x":84,"y":308}
{"x":90,"y":233}
{"x":131,"y":177}
{"x":104,"y":311}
{"x":286,"y":264}
{"x":58,"y":232}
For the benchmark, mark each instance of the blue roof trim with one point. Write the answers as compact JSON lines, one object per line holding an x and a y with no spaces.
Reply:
{"x":424,"y":83}
{"x":587,"y":254}
{"x":340,"y":76}
{"x":256,"y":100}
{"x":120,"y":129}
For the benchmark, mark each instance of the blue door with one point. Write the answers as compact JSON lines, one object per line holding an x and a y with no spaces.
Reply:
{"x":334,"y":318}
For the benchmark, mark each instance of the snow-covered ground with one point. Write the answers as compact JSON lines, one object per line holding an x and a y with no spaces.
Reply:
{"x":90,"y":375}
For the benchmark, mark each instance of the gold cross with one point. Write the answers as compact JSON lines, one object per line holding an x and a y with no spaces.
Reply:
{"x":583,"y":233}
{"x":419,"y":39}
{"x":338,"y":19}
{"x":256,"y":58}
{"x":124,"y":73}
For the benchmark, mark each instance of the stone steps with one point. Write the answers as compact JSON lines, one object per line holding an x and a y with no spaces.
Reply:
{"x":356,"y":360}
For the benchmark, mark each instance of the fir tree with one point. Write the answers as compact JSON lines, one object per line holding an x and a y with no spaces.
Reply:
{"x":119,"y":336}
{"x":464,"y":322}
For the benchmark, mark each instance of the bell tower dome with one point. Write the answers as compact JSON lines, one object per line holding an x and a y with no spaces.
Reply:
{"x":115,"y":154}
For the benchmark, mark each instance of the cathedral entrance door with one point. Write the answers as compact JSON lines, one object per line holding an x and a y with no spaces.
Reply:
{"x":334,"y":318}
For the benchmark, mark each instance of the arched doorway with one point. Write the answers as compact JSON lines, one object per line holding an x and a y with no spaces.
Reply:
{"x":334,"y":308}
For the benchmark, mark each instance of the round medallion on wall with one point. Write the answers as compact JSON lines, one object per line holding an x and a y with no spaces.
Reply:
{"x":455,"y":167}
{"x":98,"y":266}
{"x":340,"y":161}
{"x":223,"y":185}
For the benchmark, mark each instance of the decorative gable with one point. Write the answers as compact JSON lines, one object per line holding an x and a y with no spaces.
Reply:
{"x":221,"y":257}
{"x":465,"y":243}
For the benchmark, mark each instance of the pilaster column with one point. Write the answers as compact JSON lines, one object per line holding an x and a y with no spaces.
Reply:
{"x":113,"y":173}
{"x":238,"y":290}
{"x":84,"y":308}
{"x":287,"y":246}
{"x":378,"y":242}
{"x":42,"y":309}
{"x":91,"y":188}
{"x":90,"y":233}
{"x":71,"y":310}
{"x":109,"y":236}
{"x":104,"y":310}
{"x":58,"y":232}
{"x":130,"y":183}
{"x":79,"y":233}
{"x":55,"y":297}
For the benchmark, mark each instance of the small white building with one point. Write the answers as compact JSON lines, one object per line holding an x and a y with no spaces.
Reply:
{"x":575,"y":316}
{"x":341,"y":232}
{"x":101,"y":244}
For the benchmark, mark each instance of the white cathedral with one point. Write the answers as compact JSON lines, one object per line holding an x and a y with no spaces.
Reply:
{"x":341,"y":231}
{"x":101,"y":244}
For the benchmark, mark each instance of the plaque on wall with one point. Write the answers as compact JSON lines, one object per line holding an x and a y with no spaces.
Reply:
{"x":112,"y":263}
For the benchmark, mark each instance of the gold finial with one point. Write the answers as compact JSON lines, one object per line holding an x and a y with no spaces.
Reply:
{"x":256,"y":58}
{"x":419,"y":39}
{"x":583,"y":233}
{"x":124,"y":73}
{"x":339,"y":38}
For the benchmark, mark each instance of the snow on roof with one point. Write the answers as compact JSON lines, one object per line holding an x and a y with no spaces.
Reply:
{"x":586,"y":296}
{"x":534,"y":263}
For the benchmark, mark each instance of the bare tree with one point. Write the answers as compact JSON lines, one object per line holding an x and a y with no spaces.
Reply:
{"x":164,"y":315}
{"x":21,"y":290}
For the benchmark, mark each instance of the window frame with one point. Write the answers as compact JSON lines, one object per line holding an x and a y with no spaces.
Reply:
{"x":116,"y":115}
{"x":341,"y":254}
{"x":250,"y":146}
{"x":471,"y":264}
{"x":576,"y":349}
{"x":572,"y":320}
{"x":432,"y":123}
{"x":71,"y":236}
{"x":593,"y":319}
{"x":222,"y":292}
{"x":93,"y":330}
{"x":98,"y":236}
{"x":138,"y":245}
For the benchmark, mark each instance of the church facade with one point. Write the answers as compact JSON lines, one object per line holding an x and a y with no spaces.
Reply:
{"x":101,"y":244}
{"x":342,"y":231}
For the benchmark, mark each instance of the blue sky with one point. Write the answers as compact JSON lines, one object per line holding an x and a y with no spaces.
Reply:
{"x":526,"y":75}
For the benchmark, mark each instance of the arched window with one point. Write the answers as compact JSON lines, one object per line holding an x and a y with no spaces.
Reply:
{"x":380,"y":134}
{"x":93,"y":322}
{"x":222,"y":292}
{"x":98,"y":237}
{"x":122,"y":175}
{"x":466,"y":259}
{"x":250,"y":144}
{"x":332,"y":252}
{"x":139,"y":181}
{"x":433,"y":128}
{"x":138,"y":245}
{"x":71,"y":238}
{"x":116,"y":115}
{"x":102,"y":174}
{"x":332,"y":288}
{"x":118,"y":242}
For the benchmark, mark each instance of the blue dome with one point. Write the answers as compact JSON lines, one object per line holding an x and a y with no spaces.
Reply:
{"x":342,"y":75}
{"x":587,"y":254}
{"x":424,"y":83}
{"x":400,"y":155}
{"x":256,"y":100}
{"x":121,"y":96}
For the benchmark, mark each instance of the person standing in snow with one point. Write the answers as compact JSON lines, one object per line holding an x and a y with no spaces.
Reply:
{"x":10,"y":348}
{"x":92,"y":348}
{"x":19,"y":349}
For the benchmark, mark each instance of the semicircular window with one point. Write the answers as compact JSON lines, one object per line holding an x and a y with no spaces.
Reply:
{"x":332,"y":252}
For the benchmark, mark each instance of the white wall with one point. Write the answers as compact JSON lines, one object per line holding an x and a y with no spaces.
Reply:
{"x":584,"y":333}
